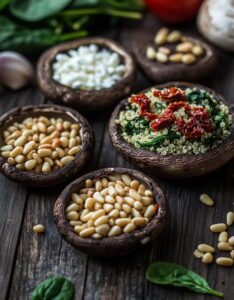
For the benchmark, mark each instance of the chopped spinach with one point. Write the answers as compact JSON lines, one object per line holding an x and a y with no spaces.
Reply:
{"x":136,"y":125}
{"x":172,"y":135}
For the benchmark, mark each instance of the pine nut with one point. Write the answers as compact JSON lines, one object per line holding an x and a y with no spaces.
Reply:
{"x":126,"y":179}
{"x":232,"y":254}
{"x":39,"y":228}
{"x":231,"y":240}
{"x":66,"y":160}
{"x":98,"y":186}
{"x":17,"y":151}
{"x":218,"y":227}
{"x":72,"y":216}
{"x":98,"y":197}
{"x":129,"y":228}
{"x":141,"y":189}
{"x":75,"y":223}
{"x":197,"y":50}
{"x":150,"y":53}
{"x":138,"y":205}
{"x":108,"y":207}
{"x":135,"y":213}
{"x":134,"y":184}
{"x":225,"y":246}
{"x":175,"y":58}
{"x":19,"y":159}
{"x":138,"y":221}
{"x":7,"y":148}
{"x":161,"y":36}
{"x":121,"y":222}
{"x":115,"y":230}
{"x":135,"y":195}
{"x":44,"y":152}
{"x":205,"y":199}
{"x":198,"y":254}
{"x":112,"y":191}
{"x":127,"y":208}
{"x":5,"y":154}
{"x":230,"y":218}
{"x":123,"y":214}
{"x":30,"y":164}
{"x":96,"y":236}
{"x":104,"y":182}
{"x":119,"y":189}
{"x":88,"y":183}
{"x":164,"y":50}
{"x":129,"y":201}
{"x":184,"y":47}
{"x":101,"y":220}
{"x":98,"y":214}
{"x":89,"y":203}
{"x":72,"y":207}
{"x":223,"y":237}
{"x":74,"y":150}
{"x":46,"y":168}
{"x":148,"y":193}
{"x":103,"y":229}
{"x":174,"y":36}
{"x":114,"y":213}
{"x":86,"y":216}
{"x":206,"y":248}
{"x":161,"y":57}
{"x":207,"y":258}
{"x":150,"y":211}
{"x":87,"y":232}
{"x":110,"y":199}
{"x":224,"y":261}
{"x":20,"y":141}
{"x":119,"y":199}
{"x":188,"y":59}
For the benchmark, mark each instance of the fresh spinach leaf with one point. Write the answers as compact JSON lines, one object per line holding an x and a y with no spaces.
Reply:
{"x":36,"y":10}
{"x":172,"y":135}
{"x":54,"y":288}
{"x":172,"y":274}
{"x":19,"y":38}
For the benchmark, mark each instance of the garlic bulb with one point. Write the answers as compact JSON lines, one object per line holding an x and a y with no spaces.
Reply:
{"x":15,"y":70}
{"x":216,"y":22}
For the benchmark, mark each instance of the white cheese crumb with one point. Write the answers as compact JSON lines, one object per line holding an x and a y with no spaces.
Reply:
{"x":88,"y":68}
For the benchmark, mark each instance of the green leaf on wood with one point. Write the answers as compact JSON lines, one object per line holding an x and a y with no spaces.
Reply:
{"x":54,"y":288}
{"x":172,"y":274}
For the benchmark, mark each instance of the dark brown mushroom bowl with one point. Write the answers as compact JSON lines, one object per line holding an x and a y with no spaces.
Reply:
{"x":82,"y":99}
{"x":164,"y":72}
{"x":54,"y":177}
{"x":118,"y":245}
{"x":173,"y":165}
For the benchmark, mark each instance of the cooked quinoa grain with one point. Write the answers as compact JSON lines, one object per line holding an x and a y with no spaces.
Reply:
{"x":175,"y":121}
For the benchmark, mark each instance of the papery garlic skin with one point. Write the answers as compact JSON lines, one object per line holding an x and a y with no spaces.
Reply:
{"x":16,"y":71}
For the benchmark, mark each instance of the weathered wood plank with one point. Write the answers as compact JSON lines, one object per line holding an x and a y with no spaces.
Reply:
{"x":13,"y":199}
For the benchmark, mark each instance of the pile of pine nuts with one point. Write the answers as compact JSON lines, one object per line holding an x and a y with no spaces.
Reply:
{"x":41,"y":144}
{"x":110,"y":206}
{"x":205,"y":252}
{"x":186,"y":52}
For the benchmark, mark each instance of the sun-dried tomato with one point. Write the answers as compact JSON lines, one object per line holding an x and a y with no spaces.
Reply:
{"x":191,"y":129}
{"x":164,"y":120}
{"x":143,"y":101}
{"x":170,"y":94}
{"x":177,"y":105}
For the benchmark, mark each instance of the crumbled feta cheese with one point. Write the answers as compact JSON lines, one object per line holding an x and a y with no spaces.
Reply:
{"x":88,"y":68}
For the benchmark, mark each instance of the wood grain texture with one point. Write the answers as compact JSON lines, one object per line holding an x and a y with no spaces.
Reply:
{"x":25,"y":263}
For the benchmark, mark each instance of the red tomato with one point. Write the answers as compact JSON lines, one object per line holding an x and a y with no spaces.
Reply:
{"x":174,"y":11}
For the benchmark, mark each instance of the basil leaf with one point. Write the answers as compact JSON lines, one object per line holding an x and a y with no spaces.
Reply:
{"x":136,"y":125}
{"x":54,"y":288}
{"x":36,"y":10}
{"x":172,"y":274}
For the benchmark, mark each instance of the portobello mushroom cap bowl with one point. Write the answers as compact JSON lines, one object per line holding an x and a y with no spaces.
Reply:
{"x":112,"y":78}
{"x":113,"y":232}
{"x":43,"y":145}
{"x":175,"y":130}
{"x":169,"y":66}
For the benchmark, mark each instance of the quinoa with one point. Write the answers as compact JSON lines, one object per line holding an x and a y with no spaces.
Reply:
{"x":136,"y":129}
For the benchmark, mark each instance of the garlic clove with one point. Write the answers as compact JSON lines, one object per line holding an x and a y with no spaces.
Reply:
{"x":16,"y":70}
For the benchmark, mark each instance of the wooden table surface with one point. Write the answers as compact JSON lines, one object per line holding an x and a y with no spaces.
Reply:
{"x":27,"y":258}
